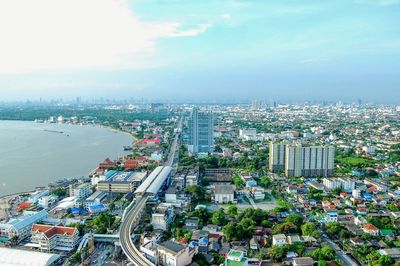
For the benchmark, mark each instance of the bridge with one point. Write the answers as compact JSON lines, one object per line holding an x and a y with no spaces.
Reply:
{"x":132,"y":214}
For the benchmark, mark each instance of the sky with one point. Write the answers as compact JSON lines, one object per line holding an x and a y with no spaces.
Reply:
{"x":208,"y":50}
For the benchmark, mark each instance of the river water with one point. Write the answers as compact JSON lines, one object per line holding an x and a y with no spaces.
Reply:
{"x":34,"y":154}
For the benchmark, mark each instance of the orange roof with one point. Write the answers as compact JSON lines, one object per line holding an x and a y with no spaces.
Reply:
{"x":326,"y":202}
{"x":24,"y":205}
{"x":51,"y":231}
{"x":370,"y":227}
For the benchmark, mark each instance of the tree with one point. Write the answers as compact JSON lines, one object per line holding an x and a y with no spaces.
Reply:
{"x":310,"y":229}
{"x":333,"y":228}
{"x":248,"y":227}
{"x":237,"y":181}
{"x":202,"y":214}
{"x":393,"y":208}
{"x":324,"y":253}
{"x":103,"y":222}
{"x":261,"y":256}
{"x":218,"y":217}
{"x":277,"y":253}
{"x":232,"y":210}
{"x":285,"y":228}
{"x":218,"y":259}
{"x":265,"y":182}
{"x":197,"y":193}
{"x":233,"y":231}
{"x":200,"y":259}
{"x":298,"y":248}
{"x":59,"y":192}
{"x":284,"y":205}
{"x":295,"y":219}
{"x":322,"y":263}
{"x":386,"y":260}
{"x":256,"y":215}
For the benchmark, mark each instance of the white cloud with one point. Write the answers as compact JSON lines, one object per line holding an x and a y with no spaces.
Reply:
{"x":388,"y":2}
{"x":65,"y":34}
{"x":226,"y":16}
{"x":379,"y":2}
{"x":187,"y":33}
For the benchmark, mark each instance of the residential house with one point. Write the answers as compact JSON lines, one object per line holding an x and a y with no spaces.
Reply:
{"x":170,"y":253}
{"x":236,"y":258}
{"x":371,"y":229}
{"x":279,"y":240}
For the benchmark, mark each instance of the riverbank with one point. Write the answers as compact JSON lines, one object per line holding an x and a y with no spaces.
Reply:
{"x":5,"y":205}
{"x":27,"y":142}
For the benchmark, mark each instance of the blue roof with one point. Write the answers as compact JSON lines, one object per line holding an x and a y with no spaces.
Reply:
{"x":77,"y":210}
{"x":97,"y":207}
{"x":193,"y":244}
{"x":203,"y":240}
{"x":26,"y":220}
{"x":367,"y":196}
{"x":251,"y":183}
{"x":111,"y":173}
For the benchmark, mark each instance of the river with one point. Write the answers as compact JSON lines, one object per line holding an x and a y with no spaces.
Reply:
{"x":34,"y":154}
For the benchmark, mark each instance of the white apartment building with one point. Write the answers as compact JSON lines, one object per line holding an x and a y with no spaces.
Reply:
{"x":20,"y":228}
{"x":258,"y":193}
{"x":369,"y":149}
{"x":162,"y":217}
{"x":277,"y":157}
{"x":356,"y":193}
{"x":347,"y":184}
{"x":48,"y":238}
{"x":82,"y":191}
{"x":309,"y":161}
{"x":247,"y":132}
{"x":47,"y":201}
{"x":331,"y":183}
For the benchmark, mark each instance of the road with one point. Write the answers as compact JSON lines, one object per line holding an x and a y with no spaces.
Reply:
{"x":340,"y":253}
{"x":132,"y":215}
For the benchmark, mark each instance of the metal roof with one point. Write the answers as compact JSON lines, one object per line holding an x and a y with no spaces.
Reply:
{"x":27,"y":220}
{"x":160,"y":179}
{"x":17,"y":257}
{"x":147,"y":182}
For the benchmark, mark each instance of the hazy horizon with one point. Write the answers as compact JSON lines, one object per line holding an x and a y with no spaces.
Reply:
{"x":201,"y":51}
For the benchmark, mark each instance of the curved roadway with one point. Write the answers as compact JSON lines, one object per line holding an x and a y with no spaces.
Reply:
{"x":132,"y":215}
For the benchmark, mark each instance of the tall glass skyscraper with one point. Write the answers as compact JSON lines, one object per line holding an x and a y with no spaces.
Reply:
{"x":201,"y":130}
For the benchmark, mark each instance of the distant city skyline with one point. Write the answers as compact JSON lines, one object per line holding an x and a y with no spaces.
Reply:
{"x":201,"y":51}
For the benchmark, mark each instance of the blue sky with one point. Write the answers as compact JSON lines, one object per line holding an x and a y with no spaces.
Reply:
{"x":289,"y":50}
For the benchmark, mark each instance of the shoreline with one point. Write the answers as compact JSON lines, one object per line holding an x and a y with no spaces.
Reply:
{"x":13,"y":195}
{"x":5,"y":203}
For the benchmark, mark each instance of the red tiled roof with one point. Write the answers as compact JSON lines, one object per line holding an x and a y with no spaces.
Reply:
{"x":370,"y":227}
{"x":51,"y":231}
{"x":24,"y":205}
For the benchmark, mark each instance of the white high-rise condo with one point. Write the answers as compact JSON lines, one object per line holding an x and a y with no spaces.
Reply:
{"x":309,"y":161}
{"x":277,"y":157}
{"x":201,"y":130}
